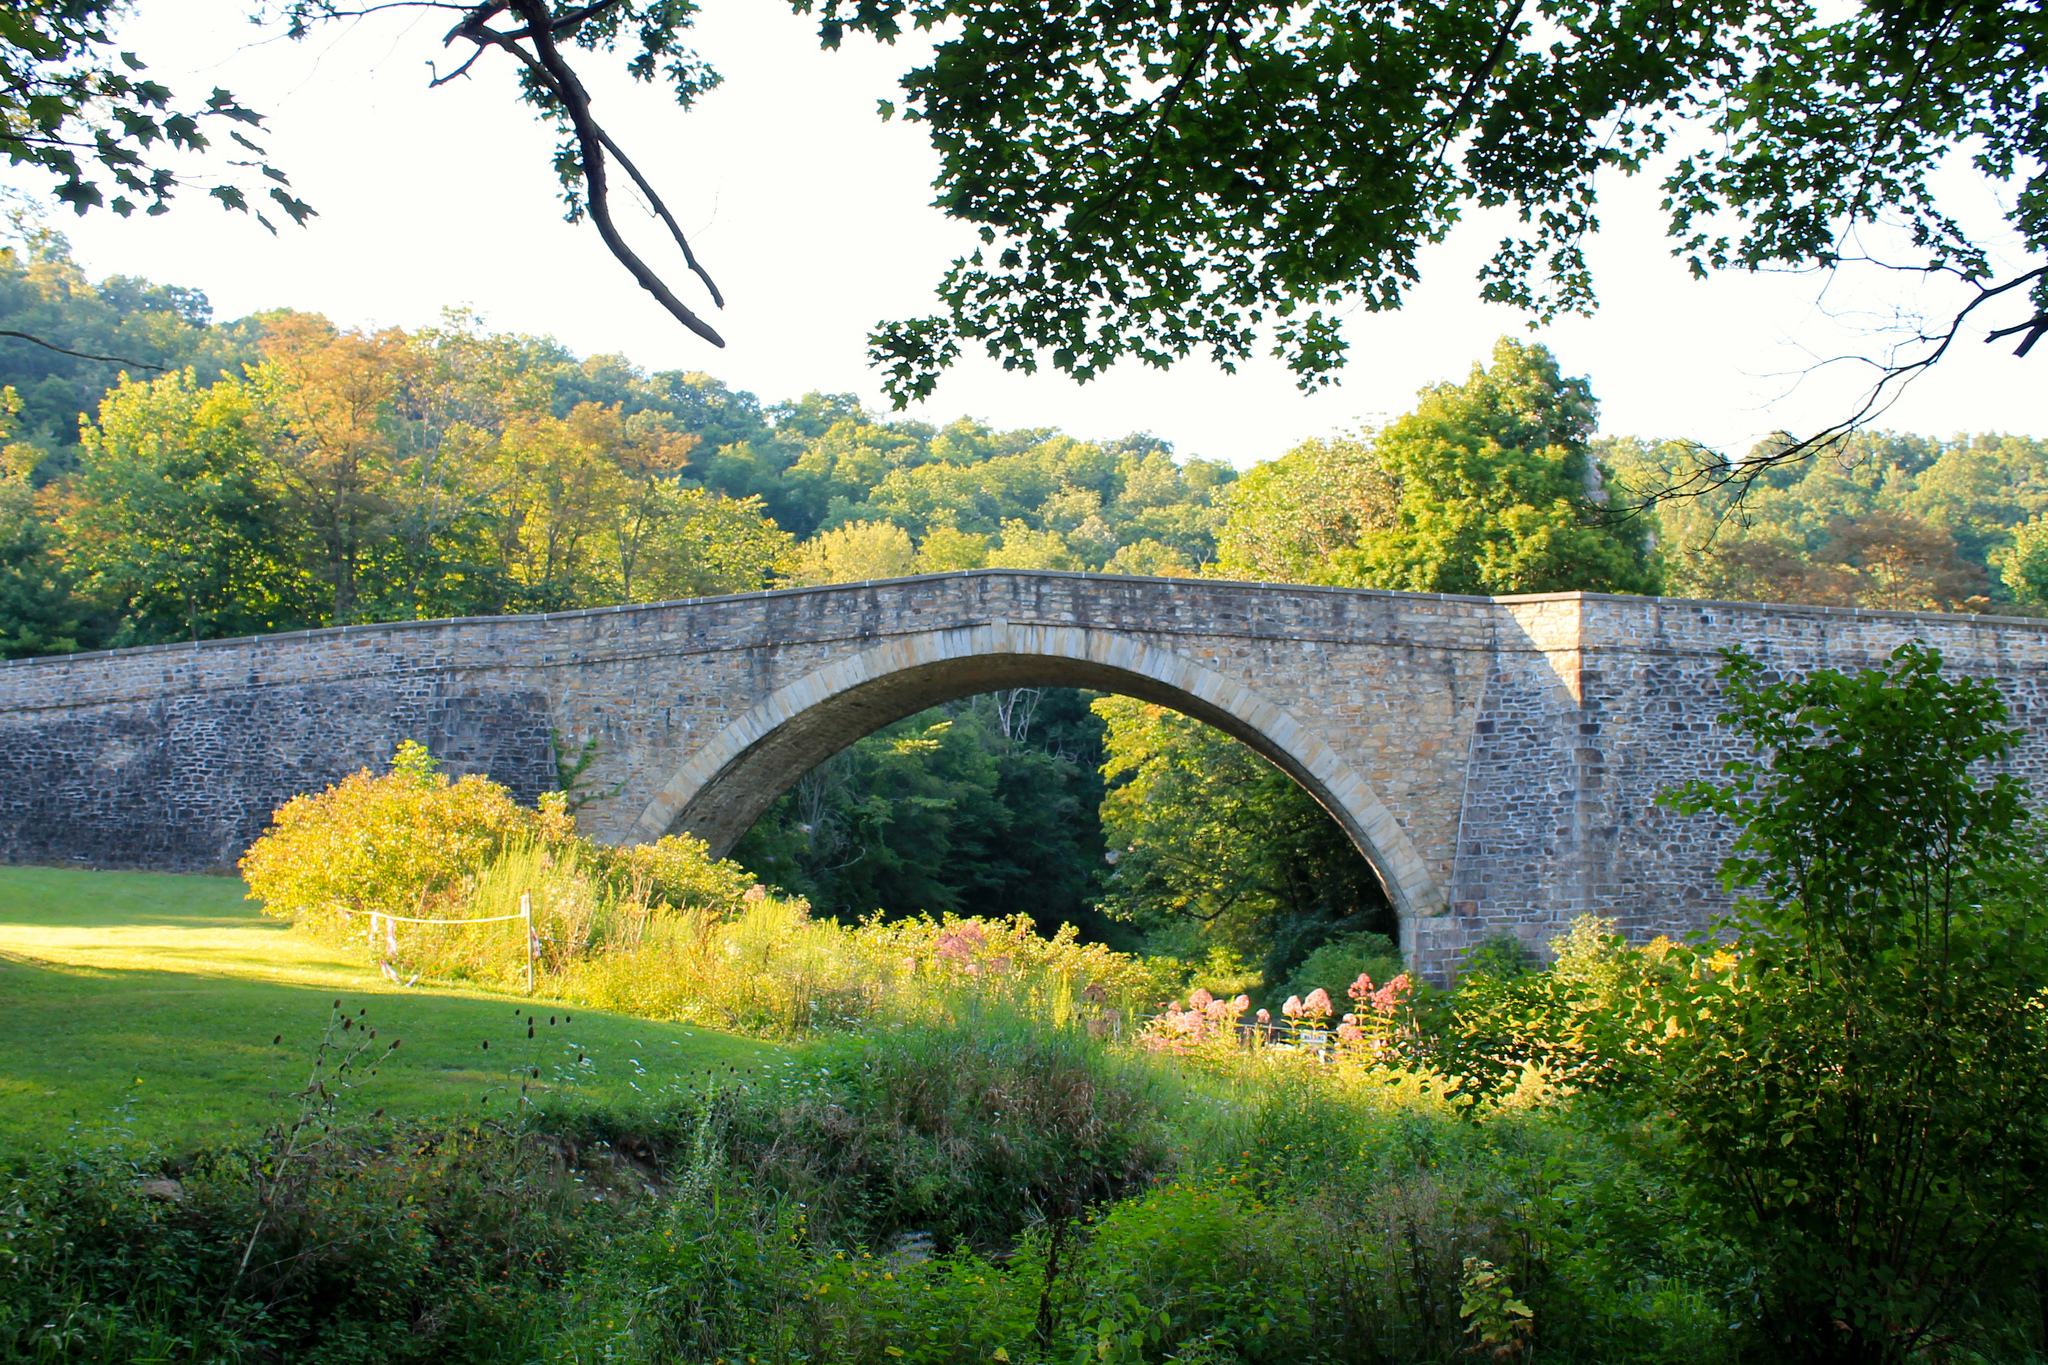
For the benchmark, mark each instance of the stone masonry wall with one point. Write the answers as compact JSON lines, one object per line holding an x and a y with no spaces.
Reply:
{"x":1516,"y":744}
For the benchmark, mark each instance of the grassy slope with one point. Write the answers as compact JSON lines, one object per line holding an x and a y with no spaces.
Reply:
{"x":147,"y":1002}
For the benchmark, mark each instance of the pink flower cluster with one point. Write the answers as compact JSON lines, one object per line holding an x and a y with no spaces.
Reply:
{"x":1204,"y":1021}
{"x":1383,"y":1001}
{"x":1374,"y":1019}
{"x":1313,"y":1010}
{"x":962,"y":944}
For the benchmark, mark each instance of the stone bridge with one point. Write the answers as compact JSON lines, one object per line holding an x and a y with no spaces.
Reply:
{"x":1495,"y":758}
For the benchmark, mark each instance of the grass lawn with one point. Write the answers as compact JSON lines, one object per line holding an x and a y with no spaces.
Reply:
{"x":147,"y":1003}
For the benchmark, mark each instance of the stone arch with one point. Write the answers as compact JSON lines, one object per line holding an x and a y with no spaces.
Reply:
{"x":729,"y":782}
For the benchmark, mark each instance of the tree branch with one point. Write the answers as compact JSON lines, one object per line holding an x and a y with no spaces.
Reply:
{"x":82,"y":355}
{"x":1480,"y":75}
{"x":661,"y":210}
{"x":1715,"y":471}
{"x":559,"y":79}
{"x":2033,"y":327}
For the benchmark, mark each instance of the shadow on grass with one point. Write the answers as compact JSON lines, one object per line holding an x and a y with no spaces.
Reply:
{"x":187,"y":1059}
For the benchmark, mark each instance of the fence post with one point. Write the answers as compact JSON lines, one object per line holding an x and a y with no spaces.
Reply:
{"x":526,"y":915}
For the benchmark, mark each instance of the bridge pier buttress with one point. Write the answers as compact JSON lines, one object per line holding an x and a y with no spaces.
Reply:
{"x":1496,"y":758}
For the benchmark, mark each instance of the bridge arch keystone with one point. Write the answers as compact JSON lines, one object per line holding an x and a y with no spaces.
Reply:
{"x":730,"y":780}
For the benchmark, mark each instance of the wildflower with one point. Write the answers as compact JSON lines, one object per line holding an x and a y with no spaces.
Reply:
{"x":1265,"y":1016}
{"x":1361,"y":989}
{"x":1292,"y":1009}
{"x":1317,"y":1006}
{"x":1388,"y":997}
{"x":961,"y":942}
{"x":1200,"y":999}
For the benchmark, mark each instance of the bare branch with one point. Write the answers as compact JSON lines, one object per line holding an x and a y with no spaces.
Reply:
{"x":1715,"y":471}
{"x":661,"y":210}
{"x":439,"y":80}
{"x":559,"y":79}
{"x":2033,"y":327}
{"x":82,"y":355}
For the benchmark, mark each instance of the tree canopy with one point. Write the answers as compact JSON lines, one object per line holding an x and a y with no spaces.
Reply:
{"x":1158,"y":181}
{"x":1153,"y":181}
{"x":1489,"y":486}
{"x":1880,"y":519}
{"x":74,"y":106}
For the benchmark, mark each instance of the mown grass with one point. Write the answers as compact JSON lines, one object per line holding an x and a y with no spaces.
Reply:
{"x":148,"y":1003}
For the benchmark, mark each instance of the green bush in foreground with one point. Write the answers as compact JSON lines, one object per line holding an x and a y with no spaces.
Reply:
{"x":1081,"y":1200}
{"x":1859,"y":1083}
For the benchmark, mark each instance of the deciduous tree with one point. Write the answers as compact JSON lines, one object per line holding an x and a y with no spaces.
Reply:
{"x":1216,"y":846}
{"x":178,"y":521}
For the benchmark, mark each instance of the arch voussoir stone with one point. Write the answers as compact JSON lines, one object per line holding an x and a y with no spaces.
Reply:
{"x":731,"y":779}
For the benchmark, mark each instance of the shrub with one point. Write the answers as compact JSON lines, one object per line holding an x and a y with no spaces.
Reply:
{"x":1859,"y":1082}
{"x":410,"y":1245}
{"x":1501,"y":957}
{"x":1336,"y":964}
{"x":407,"y":843}
{"x":414,"y":845}
{"x":1561,"y":1026}
{"x":969,"y":1124}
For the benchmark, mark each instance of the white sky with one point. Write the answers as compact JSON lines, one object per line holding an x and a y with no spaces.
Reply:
{"x":814,"y":217}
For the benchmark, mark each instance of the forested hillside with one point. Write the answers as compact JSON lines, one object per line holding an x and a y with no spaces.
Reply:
{"x":1882,"y":519}
{"x":205,"y":479}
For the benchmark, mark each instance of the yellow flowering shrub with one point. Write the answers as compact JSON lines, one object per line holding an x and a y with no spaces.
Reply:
{"x":661,"y":929}
{"x":1058,"y":977}
{"x":413,"y":843}
{"x":677,"y":871}
{"x":405,"y":843}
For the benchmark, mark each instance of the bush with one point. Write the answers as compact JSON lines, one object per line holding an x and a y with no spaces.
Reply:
{"x":969,"y":1125}
{"x":1501,"y":957}
{"x":1859,"y":1080}
{"x":407,"y":843}
{"x":410,"y":1245}
{"x":1497,"y":1034}
{"x":1334,"y":966}
{"x":413,"y":845}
